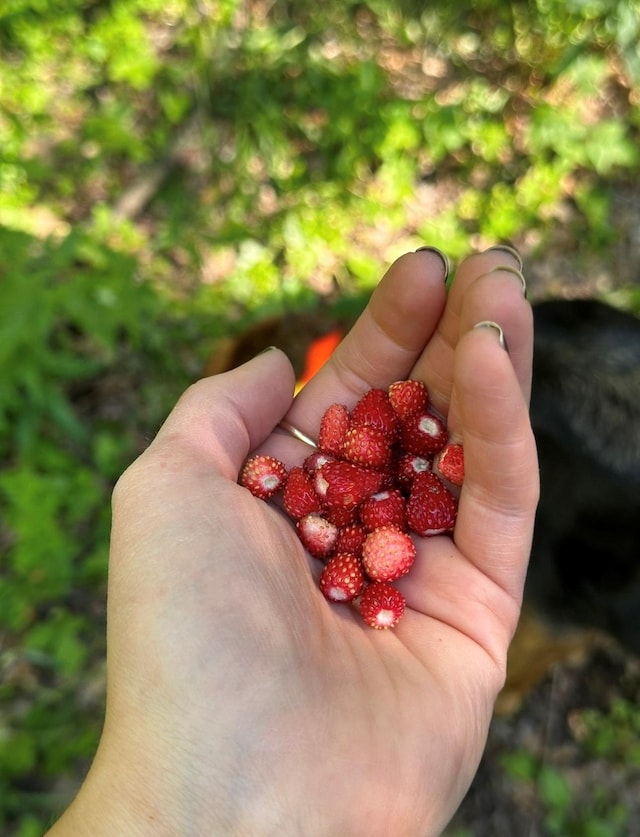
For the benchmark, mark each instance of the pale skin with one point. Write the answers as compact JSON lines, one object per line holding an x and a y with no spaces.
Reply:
{"x":240,"y":701}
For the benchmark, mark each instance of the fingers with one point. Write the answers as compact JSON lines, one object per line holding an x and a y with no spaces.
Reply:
{"x":385,"y":342}
{"x":474,"y":584}
{"x":495,"y":297}
{"x":500,"y":491}
{"x":487,"y":286}
{"x":411,"y":327}
{"x":498,"y":296}
{"x":224,"y":417}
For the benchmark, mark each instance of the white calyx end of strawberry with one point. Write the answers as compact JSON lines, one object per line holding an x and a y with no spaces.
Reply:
{"x":337,"y":594}
{"x":321,"y":485}
{"x":430,"y":426}
{"x":386,"y":618}
{"x":381,"y":495}
{"x":270,"y":482}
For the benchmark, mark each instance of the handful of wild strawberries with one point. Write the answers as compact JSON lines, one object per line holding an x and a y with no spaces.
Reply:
{"x":379,"y":475}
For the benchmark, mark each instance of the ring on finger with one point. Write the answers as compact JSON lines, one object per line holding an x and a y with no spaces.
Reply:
{"x":505,"y":248}
{"x":445,"y":259}
{"x":510,"y":269}
{"x":292,"y":430}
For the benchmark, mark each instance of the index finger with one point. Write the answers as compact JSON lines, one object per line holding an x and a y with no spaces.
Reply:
{"x":483,"y":281}
{"x":384,"y":343}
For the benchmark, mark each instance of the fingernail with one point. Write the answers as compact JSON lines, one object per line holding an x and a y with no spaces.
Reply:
{"x":443,"y":256}
{"x":507,"y":248}
{"x":493,"y":325}
{"x":266,"y":349}
{"x":510,"y":269}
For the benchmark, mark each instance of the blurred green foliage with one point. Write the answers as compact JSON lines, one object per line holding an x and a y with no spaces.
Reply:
{"x":564,"y":815}
{"x":171,"y":170}
{"x":614,"y":734}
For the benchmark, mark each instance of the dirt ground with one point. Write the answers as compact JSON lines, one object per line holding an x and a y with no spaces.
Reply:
{"x":601,"y":795}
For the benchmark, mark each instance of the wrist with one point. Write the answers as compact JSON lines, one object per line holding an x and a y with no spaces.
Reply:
{"x":163,"y":798}
{"x":111,"y":802}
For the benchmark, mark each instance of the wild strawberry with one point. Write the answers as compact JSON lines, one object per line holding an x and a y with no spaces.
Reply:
{"x":423,"y":433}
{"x":263,"y":475}
{"x":431,"y":508}
{"x":387,"y":554}
{"x":384,"y":508}
{"x":333,"y":427}
{"x":366,"y":445}
{"x":408,"y":397}
{"x":342,"y":578}
{"x":381,"y":605}
{"x":374,"y":409}
{"x":350,"y":539}
{"x":450,"y":463}
{"x":345,"y":484}
{"x":388,"y":474}
{"x":317,"y":534}
{"x":408,"y":466}
{"x":298,"y":496}
{"x":341,"y":516}
{"x":376,"y":480}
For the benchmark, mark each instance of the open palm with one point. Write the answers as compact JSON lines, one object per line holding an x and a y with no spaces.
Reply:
{"x":239,"y":700}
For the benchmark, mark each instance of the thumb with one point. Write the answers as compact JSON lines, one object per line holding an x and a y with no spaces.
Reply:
{"x":222,"y":418}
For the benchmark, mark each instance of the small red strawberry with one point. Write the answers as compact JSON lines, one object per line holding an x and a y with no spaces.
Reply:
{"x":374,"y":409}
{"x":408,"y":397}
{"x":366,"y":445}
{"x":381,"y":605}
{"x":345,"y":484}
{"x":333,"y":427}
{"x":381,"y":475}
{"x":342,"y":578}
{"x":423,"y":433}
{"x":408,"y":466}
{"x":384,"y":508}
{"x":431,"y":508}
{"x":341,"y":516}
{"x":387,"y":554}
{"x":263,"y":475}
{"x":450,"y":463}
{"x":350,"y":538}
{"x":317,"y":534}
{"x":298,"y":496}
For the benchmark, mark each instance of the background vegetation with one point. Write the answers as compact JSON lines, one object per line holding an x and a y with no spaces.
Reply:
{"x":172,"y":171}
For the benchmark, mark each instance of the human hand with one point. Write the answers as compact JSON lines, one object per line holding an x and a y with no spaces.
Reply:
{"x":239,"y":700}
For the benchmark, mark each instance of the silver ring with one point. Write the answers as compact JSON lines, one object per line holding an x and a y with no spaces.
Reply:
{"x":297,"y":434}
{"x":506,"y":248}
{"x":510,"y":269}
{"x":445,"y":259}
{"x":493,"y":325}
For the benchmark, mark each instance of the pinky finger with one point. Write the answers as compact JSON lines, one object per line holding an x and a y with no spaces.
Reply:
{"x":500,"y":491}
